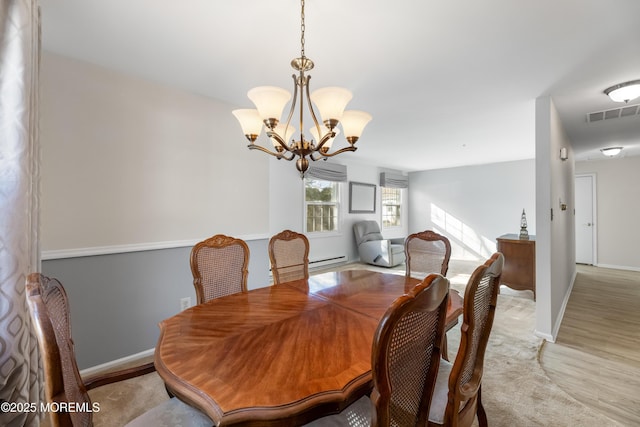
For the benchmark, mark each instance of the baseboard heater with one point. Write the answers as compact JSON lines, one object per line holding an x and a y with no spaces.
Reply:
{"x":327,"y":261}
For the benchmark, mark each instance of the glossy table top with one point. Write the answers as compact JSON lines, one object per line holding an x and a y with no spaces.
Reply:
{"x":369,"y":292}
{"x":284,"y":354}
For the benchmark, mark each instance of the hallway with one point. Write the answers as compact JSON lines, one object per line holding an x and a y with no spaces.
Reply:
{"x":596,"y":356}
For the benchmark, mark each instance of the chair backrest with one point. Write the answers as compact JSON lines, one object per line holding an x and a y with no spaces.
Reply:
{"x":49,"y":309}
{"x":480,"y":297}
{"x":289,"y":255}
{"x":365,"y":231}
{"x":427,"y":252}
{"x":406,"y":354}
{"x":220,"y":266}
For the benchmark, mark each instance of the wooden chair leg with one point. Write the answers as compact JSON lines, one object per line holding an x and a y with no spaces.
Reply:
{"x":443,"y":352}
{"x":482,"y":415}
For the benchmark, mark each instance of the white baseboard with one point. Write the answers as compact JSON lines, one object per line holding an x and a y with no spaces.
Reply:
{"x":324,"y":262}
{"x":546,"y":337}
{"x":116,"y":363}
{"x":618,"y":267}
{"x":563,"y":308}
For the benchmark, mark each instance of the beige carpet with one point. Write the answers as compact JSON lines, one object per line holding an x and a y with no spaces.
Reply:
{"x":516,"y":391}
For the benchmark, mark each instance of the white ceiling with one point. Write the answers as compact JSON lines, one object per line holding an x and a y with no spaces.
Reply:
{"x":448,"y":82}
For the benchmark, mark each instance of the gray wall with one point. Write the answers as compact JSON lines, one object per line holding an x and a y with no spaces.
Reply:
{"x":117,"y":300}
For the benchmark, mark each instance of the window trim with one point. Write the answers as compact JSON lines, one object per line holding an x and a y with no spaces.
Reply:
{"x":338,"y":203}
{"x":401,"y":208}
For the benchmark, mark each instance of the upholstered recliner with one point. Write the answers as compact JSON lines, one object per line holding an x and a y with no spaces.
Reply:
{"x":375,"y":249}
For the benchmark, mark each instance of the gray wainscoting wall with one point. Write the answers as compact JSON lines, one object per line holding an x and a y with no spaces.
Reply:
{"x":117,"y":300}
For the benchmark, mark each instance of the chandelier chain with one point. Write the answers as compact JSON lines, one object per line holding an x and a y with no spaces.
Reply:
{"x":302,"y":28}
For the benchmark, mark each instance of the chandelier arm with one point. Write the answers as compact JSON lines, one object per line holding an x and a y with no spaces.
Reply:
{"x":265,"y":150}
{"x":293,"y":102}
{"x":291,"y":157}
{"x":274,"y":154}
{"x":315,"y":159}
{"x":279,"y":140}
{"x":324,"y":139}
{"x":313,"y":116}
{"x":335,"y":153}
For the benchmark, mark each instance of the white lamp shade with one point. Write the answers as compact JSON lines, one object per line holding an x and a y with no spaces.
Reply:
{"x":269,"y":100}
{"x":353,"y":122}
{"x":331,"y":102}
{"x":317,"y":138}
{"x":624,"y":92}
{"x":250,"y":121}
{"x":284,"y":134}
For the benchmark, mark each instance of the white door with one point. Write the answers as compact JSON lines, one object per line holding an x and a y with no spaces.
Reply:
{"x":585,"y":219}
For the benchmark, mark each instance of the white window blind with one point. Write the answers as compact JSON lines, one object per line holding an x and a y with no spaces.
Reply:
{"x":327,"y":171}
{"x":393,"y":180}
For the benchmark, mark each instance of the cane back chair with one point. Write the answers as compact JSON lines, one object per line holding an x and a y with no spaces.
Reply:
{"x":289,"y":255}
{"x":457,"y":398}
{"x":427,"y":252}
{"x":49,"y":310}
{"x":405,"y":358}
{"x":220,"y":266}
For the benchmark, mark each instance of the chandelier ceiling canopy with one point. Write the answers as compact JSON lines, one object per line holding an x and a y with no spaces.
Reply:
{"x":330,"y":103}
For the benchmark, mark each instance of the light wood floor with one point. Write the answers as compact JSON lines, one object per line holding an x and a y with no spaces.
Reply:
{"x":596,"y":356}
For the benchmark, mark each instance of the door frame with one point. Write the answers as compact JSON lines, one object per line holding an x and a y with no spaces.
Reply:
{"x":594,"y":210}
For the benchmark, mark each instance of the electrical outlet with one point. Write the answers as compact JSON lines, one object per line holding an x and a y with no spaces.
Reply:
{"x":185,"y":303}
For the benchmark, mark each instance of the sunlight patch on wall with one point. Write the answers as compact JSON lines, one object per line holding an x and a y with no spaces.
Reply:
{"x":466,"y":243}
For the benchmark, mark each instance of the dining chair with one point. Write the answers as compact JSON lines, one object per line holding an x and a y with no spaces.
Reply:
{"x":289,"y":255}
{"x":220,"y":266}
{"x":405,"y":357}
{"x":457,"y":397}
{"x":49,"y":310}
{"x":427,"y":252}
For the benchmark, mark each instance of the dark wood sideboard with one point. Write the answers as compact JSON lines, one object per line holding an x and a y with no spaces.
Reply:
{"x":519,"y":271}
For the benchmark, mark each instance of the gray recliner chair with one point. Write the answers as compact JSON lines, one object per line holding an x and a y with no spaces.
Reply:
{"x":375,"y":249}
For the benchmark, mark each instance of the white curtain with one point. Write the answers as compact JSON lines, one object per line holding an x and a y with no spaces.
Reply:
{"x":20,"y":372}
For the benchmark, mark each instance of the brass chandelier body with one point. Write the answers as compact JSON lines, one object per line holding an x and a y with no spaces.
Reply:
{"x":334,"y":99}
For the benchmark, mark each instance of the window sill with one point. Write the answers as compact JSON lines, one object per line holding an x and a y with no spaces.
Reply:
{"x":320,"y":234}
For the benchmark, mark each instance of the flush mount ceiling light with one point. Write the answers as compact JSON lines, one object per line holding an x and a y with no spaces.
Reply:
{"x":611,"y":151}
{"x":624,"y":92}
{"x":330,"y":102}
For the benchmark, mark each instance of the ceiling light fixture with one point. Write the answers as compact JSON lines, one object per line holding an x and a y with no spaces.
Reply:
{"x":330,"y":102}
{"x":624,"y":92}
{"x":611,"y":151}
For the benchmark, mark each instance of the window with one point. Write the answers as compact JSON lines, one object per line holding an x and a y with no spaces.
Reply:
{"x":391,"y":202}
{"x":321,"y":205}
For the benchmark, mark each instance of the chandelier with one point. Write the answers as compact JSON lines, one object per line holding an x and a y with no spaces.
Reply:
{"x":330,"y":102}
